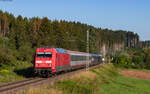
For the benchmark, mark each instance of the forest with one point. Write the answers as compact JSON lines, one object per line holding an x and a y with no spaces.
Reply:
{"x":20,"y":36}
{"x":144,"y":44}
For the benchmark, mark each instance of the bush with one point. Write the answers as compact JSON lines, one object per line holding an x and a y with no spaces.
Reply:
{"x":138,"y":62}
{"x":26,"y":53}
{"x":122,"y":59}
{"x":147,"y":56}
{"x":135,"y":58}
{"x":6,"y":56}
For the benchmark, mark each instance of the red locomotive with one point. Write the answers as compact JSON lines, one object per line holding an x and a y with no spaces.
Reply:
{"x":54,"y":60}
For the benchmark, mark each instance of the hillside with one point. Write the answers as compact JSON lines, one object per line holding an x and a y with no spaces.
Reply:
{"x":106,"y":79}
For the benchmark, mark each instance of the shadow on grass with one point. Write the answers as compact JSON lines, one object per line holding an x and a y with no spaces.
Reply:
{"x":27,"y":72}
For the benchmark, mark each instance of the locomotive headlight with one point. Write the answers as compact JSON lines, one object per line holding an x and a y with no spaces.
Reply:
{"x":38,"y":61}
{"x":48,"y":62}
{"x":103,"y":59}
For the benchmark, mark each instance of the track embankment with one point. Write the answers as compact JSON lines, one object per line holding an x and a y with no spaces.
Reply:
{"x":13,"y":87}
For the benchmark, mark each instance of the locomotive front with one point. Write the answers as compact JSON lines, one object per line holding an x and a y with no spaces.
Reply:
{"x":44,"y":61}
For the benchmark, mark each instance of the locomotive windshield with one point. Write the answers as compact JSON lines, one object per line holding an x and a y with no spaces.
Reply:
{"x":44,"y":55}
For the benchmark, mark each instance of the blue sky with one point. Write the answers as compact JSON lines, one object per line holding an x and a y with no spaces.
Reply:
{"x":131,"y":15}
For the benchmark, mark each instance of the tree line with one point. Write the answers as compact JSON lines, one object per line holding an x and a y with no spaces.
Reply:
{"x":144,"y":44}
{"x":20,"y":36}
{"x":132,"y":58}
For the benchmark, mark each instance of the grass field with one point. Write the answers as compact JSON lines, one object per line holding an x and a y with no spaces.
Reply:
{"x":102,"y":80}
{"x":126,"y":85}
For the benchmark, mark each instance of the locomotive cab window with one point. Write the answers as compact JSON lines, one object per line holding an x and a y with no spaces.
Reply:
{"x":44,"y":55}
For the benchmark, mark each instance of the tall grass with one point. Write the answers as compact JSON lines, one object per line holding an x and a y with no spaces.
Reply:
{"x":86,"y":82}
{"x":43,"y":89}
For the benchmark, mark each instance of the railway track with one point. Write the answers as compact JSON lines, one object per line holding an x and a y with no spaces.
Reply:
{"x":13,"y":87}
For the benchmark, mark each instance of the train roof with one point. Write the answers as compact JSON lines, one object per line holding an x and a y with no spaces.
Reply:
{"x":61,"y":50}
{"x":96,"y":55}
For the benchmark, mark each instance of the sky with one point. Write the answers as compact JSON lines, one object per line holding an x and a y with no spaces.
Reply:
{"x":129,"y":15}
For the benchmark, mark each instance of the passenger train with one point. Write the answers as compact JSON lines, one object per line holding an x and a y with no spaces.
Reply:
{"x":54,"y":60}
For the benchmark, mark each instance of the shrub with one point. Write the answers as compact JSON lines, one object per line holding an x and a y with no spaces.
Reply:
{"x":26,"y":53}
{"x":122,"y":59}
{"x":6,"y":56}
{"x":138,"y":61}
{"x":147,"y":56}
{"x":135,"y":58}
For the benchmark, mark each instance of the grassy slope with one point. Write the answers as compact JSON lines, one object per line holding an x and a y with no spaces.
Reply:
{"x":125,"y":85}
{"x":17,"y":72}
{"x":103,"y":80}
